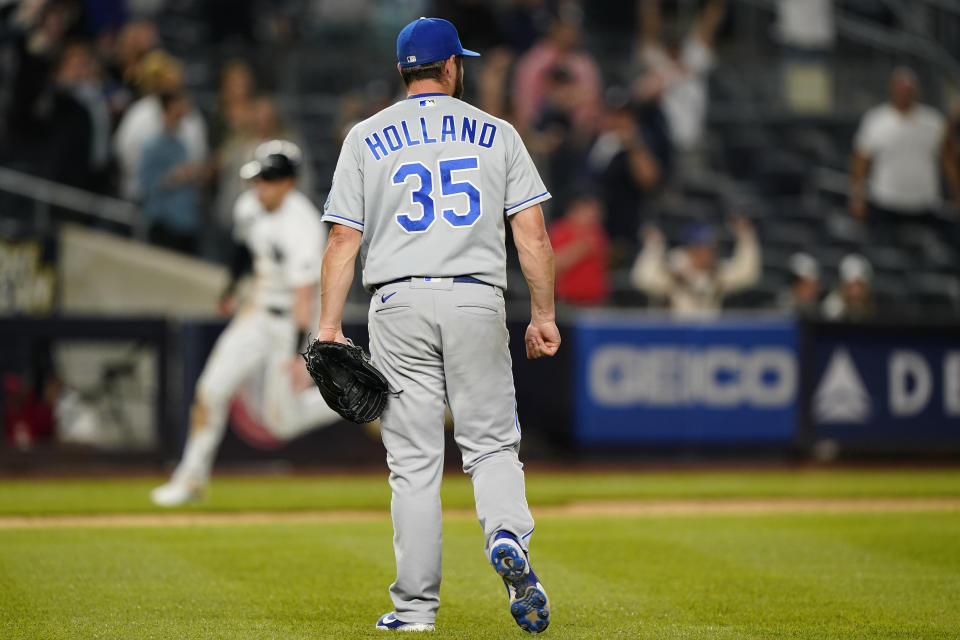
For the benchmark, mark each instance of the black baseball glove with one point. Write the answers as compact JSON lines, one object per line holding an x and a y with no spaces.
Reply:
{"x":348,"y":382}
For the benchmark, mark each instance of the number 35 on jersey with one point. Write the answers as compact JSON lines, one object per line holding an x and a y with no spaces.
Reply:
{"x":459,"y":198}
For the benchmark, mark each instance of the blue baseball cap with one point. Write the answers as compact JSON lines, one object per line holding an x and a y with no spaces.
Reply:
{"x":428,"y":40}
{"x":699,"y":233}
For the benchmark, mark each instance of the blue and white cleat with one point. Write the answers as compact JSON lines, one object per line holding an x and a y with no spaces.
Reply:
{"x":389,"y":622}
{"x":529,"y":604}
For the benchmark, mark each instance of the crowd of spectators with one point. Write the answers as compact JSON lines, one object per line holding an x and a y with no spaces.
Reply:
{"x":851,"y":299}
{"x":97,"y":102}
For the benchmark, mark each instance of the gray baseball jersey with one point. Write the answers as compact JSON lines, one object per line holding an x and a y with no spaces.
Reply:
{"x":428,"y":181}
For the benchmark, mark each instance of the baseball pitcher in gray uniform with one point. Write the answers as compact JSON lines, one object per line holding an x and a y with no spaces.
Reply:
{"x":423,"y":191}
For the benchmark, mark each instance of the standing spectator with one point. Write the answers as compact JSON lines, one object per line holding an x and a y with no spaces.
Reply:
{"x":267,"y":123}
{"x":169,"y":181}
{"x":120,"y":53}
{"x":803,"y":295}
{"x":133,"y":42}
{"x":89,"y":90}
{"x":263,"y":123}
{"x":853,"y":297}
{"x":558,"y":136}
{"x":624,"y":162}
{"x":895,"y":169}
{"x":677,"y":71}
{"x":492,"y":83}
{"x":67,"y":122}
{"x":159,"y":73}
{"x":237,"y":87}
{"x":692,"y":278}
{"x":531,"y":80}
{"x":581,"y":249}
{"x":40,"y":29}
{"x":78,"y":122}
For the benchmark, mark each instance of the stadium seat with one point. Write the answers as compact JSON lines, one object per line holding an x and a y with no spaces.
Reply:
{"x":842,"y":228}
{"x":935,"y":292}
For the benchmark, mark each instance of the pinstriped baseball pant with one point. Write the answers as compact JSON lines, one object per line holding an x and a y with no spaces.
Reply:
{"x":439,"y":342}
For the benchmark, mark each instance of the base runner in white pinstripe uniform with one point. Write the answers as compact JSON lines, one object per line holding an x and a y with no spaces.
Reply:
{"x":283,"y":232}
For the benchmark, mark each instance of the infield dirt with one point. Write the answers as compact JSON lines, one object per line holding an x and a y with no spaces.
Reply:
{"x":635,"y":508}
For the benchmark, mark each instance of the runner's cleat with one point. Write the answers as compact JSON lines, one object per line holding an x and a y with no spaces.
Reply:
{"x":175,"y":494}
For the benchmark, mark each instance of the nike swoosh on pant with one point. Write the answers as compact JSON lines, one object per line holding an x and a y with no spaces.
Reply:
{"x":387,"y":297}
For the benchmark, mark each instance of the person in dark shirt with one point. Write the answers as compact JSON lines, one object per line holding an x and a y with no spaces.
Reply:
{"x":77,"y":122}
{"x":628,"y":162}
{"x":559,"y":137}
{"x":40,"y":30}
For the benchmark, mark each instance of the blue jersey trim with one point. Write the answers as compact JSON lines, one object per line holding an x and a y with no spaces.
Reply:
{"x":333,"y":215}
{"x":424,"y":95}
{"x":509,"y":209}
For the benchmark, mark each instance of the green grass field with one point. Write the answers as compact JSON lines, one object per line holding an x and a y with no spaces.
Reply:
{"x":885,"y":574}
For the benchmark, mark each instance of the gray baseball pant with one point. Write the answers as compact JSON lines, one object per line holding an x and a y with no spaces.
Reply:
{"x":441,"y":342}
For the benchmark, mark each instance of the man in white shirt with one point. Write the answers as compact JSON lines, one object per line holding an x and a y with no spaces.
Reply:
{"x":898,"y":151}
{"x":679,"y":70}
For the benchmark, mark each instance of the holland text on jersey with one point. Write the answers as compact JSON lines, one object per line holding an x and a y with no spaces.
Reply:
{"x":409,"y":134}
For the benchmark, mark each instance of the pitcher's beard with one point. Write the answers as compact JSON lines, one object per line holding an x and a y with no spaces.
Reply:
{"x":458,"y":89}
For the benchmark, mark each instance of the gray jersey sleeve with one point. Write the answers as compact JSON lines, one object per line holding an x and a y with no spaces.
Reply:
{"x":344,"y":203}
{"x":524,"y":187}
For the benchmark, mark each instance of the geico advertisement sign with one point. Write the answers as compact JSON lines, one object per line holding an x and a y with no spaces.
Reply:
{"x":717,"y":377}
{"x":842,"y":397}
